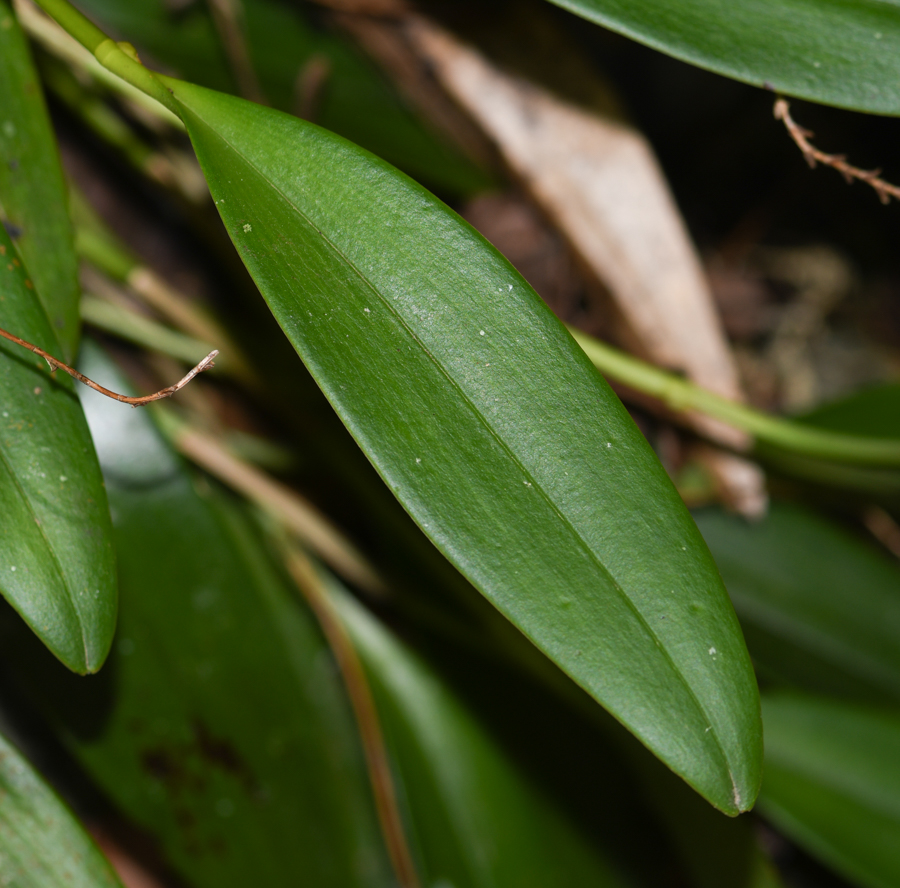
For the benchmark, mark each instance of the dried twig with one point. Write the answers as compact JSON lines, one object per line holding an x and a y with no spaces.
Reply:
{"x":884,"y":190}
{"x":56,"y":364}
{"x":227,"y":17}
{"x":360,"y":695}
{"x":310,"y":83}
{"x":883,"y":527}
{"x":288,"y":507}
{"x":374,"y":8}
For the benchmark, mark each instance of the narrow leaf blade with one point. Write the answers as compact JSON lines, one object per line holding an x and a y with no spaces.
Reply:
{"x":873,"y":411}
{"x":32,"y":191}
{"x":42,"y":845}
{"x":841,"y":52}
{"x":220,"y":725}
{"x":57,"y":565}
{"x":492,"y":429}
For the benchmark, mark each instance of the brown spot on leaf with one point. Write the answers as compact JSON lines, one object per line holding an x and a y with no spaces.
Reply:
{"x":222,"y":754}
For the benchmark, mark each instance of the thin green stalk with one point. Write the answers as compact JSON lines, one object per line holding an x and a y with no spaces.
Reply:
{"x":99,"y":117}
{"x":121,"y":59}
{"x":98,"y":248}
{"x":65,"y":48}
{"x":683,"y":396}
{"x":144,"y":332}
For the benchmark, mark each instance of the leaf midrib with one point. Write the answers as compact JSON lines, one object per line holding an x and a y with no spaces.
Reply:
{"x":503,"y":445}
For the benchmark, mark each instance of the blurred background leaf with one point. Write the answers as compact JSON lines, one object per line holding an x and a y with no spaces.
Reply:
{"x":840,"y":53}
{"x":32,"y":191}
{"x":42,"y":845}
{"x":832,"y":783}
{"x":473,"y":819}
{"x":820,"y":608}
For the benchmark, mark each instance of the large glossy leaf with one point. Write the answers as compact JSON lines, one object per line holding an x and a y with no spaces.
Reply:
{"x":820,"y":609}
{"x":839,"y":52}
{"x":475,"y":821}
{"x":353,"y":99}
{"x":220,"y":724}
{"x":832,"y":783}
{"x":42,"y":845}
{"x":57,"y":566}
{"x":492,"y":428}
{"x":32,"y":191}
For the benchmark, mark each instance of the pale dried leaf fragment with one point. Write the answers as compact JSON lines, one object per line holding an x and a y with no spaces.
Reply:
{"x":375,"y":8}
{"x":294,"y":512}
{"x":600,"y":183}
{"x":128,"y":869}
{"x":386,"y":41}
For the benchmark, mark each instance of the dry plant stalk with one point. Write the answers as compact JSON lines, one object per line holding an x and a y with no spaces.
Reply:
{"x":309,"y":86}
{"x":375,"y":8}
{"x":56,"y":364}
{"x":813,"y":155}
{"x":357,"y":685}
{"x":227,"y":16}
{"x":300,"y":517}
{"x":883,"y":527}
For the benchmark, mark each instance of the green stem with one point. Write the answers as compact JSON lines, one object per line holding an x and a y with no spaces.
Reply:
{"x":683,"y":396}
{"x":144,"y":332}
{"x":113,"y":56}
{"x":62,"y":46}
{"x":96,"y":247}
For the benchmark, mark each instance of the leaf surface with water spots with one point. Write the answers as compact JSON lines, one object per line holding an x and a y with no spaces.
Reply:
{"x":493,"y":430}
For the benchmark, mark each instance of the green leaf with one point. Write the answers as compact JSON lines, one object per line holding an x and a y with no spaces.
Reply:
{"x":838,"y":52}
{"x":42,"y":845}
{"x":832,"y":783}
{"x":491,"y":427}
{"x":819,"y":608}
{"x":474,"y":820}
{"x":57,"y":566}
{"x":32,"y":191}
{"x":354,"y":98}
{"x":220,"y":724}
{"x":873,"y":411}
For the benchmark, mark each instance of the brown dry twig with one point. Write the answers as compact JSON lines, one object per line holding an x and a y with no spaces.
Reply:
{"x":813,"y":155}
{"x":288,"y":507}
{"x":360,"y":694}
{"x":374,"y":8}
{"x":56,"y":364}
{"x":227,"y":16}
